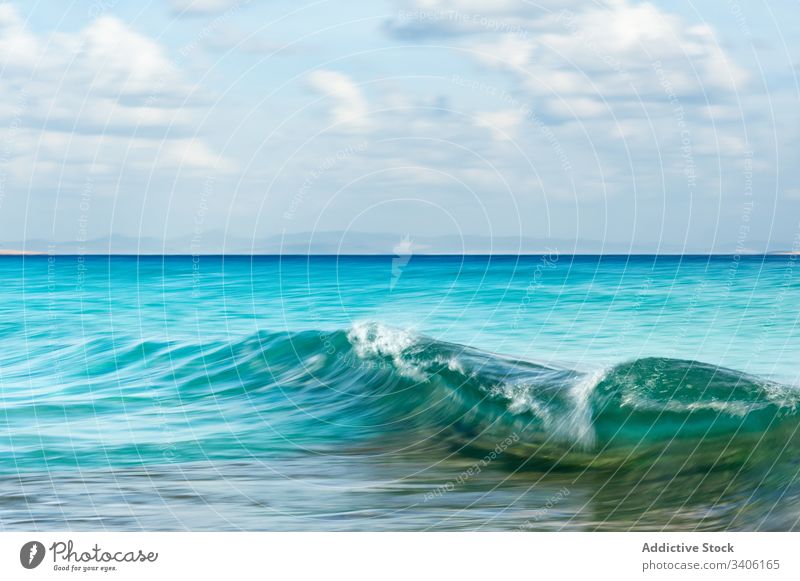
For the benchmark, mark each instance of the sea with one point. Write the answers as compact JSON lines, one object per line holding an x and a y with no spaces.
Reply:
{"x":400,"y":393}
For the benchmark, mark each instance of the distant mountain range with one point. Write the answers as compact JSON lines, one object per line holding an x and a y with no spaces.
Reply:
{"x":330,"y":242}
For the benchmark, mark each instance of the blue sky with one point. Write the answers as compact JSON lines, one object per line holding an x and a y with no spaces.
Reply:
{"x":644,"y":126}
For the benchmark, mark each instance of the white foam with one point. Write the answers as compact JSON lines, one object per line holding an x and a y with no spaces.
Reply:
{"x":520,"y":400}
{"x":378,"y":340}
{"x":575,"y":426}
{"x":370,"y":339}
{"x":732,"y":407}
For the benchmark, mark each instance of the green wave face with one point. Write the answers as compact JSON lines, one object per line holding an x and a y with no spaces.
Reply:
{"x":663,"y":399}
{"x":630,"y":412}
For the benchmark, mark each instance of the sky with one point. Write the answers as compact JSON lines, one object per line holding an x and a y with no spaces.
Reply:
{"x":225,"y":125}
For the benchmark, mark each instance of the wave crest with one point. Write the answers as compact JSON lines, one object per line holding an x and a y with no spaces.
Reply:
{"x":390,"y":389}
{"x":474,"y":398}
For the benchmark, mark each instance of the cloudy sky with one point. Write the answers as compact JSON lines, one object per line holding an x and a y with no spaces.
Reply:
{"x":644,"y":126}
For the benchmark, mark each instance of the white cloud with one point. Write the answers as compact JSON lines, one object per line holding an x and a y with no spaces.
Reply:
{"x":77,"y":93}
{"x":120,"y":61}
{"x":583,"y":51}
{"x":624,"y":71}
{"x":18,"y":47}
{"x":622,"y":50}
{"x":349,"y":106}
{"x":53,"y":160}
{"x":193,"y":153}
{"x":106,"y":56}
{"x":72,"y":79}
{"x":502,"y":124}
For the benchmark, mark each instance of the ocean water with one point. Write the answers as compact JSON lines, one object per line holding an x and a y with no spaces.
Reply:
{"x":399,"y":393}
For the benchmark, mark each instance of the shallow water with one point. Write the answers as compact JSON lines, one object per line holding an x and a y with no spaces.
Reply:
{"x":369,"y":393}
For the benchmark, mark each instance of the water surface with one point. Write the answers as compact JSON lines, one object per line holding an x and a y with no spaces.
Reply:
{"x":399,"y":393}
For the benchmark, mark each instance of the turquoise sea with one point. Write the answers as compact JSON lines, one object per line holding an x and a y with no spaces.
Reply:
{"x":399,"y":393}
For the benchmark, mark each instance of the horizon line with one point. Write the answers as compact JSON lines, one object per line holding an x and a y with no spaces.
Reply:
{"x":37,"y":254}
